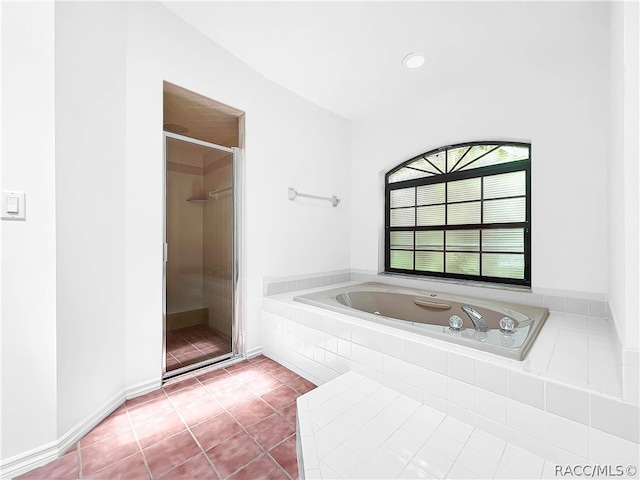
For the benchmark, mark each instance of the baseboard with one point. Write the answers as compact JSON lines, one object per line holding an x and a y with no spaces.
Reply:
{"x":22,"y":463}
{"x":254,"y":352}
{"x":74,"y":435}
{"x":40,"y":456}
{"x":142,"y":388}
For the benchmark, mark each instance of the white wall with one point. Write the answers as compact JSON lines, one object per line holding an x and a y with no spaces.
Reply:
{"x":95,"y":330}
{"x":90,"y":48}
{"x":623,"y":178}
{"x":554,"y":94}
{"x":28,"y":411}
{"x":289,"y":142}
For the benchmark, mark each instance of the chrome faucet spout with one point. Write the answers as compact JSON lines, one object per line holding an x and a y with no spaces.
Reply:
{"x":479,"y":323}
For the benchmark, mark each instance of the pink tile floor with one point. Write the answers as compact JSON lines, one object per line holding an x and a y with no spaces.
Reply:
{"x":231,"y":423}
{"x":186,"y":346}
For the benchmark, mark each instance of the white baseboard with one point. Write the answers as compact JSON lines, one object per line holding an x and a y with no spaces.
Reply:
{"x":19,"y":464}
{"x":142,"y":388}
{"x":73,"y":435}
{"x":254,"y":352}
{"x":40,"y":456}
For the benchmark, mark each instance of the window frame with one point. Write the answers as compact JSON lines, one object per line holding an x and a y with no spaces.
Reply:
{"x":443,"y":178}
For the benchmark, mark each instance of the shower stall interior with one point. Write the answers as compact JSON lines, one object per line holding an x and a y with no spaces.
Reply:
{"x":199,"y":254}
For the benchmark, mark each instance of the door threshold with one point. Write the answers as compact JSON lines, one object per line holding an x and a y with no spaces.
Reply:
{"x":217,"y":362}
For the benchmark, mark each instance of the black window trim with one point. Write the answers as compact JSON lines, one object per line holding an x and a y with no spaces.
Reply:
{"x":520,"y":165}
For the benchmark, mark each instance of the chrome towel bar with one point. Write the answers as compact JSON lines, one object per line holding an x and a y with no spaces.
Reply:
{"x":293,"y":194}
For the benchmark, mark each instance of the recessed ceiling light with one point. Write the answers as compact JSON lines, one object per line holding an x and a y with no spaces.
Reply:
{"x":413,"y":60}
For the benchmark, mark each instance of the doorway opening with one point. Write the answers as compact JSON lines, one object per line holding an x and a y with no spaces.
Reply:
{"x":203,"y":184}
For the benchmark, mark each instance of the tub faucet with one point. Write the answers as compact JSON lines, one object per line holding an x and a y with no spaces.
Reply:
{"x":479,"y":323}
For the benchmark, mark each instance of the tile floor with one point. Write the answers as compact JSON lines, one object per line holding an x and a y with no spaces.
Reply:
{"x":231,"y":423}
{"x":186,"y":346}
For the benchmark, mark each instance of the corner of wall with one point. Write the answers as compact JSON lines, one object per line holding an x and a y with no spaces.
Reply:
{"x":28,"y":256}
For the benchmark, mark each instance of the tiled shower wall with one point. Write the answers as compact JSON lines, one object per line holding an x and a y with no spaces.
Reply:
{"x":218,"y":241}
{"x":184,"y":236}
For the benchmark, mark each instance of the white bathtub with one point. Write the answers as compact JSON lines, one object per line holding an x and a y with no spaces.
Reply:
{"x":429,"y":313}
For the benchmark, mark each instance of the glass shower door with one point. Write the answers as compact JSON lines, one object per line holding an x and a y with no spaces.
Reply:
{"x":199,"y":231}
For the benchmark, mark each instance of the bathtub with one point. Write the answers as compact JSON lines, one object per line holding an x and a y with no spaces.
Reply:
{"x":429,"y":313}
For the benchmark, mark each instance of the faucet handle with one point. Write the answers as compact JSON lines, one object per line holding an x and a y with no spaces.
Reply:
{"x":507,"y":326}
{"x":455,"y":323}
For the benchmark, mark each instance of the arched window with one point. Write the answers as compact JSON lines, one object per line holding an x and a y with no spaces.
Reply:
{"x":462,"y":211}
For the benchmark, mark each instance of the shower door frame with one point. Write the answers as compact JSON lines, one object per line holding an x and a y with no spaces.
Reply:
{"x":238,"y":349}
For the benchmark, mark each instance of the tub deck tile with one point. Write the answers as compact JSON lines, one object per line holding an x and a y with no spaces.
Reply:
{"x":421,"y":441}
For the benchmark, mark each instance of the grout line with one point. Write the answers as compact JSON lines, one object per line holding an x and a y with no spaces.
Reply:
{"x":135,"y":435}
{"x":228,"y":411}
{"x":185,"y":341}
{"x":118,"y":432}
{"x":79,"y":461}
{"x":276,"y":462}
{"x":166,"y":396}
{"x":275,"y":411}
{"x":188,"y":429}
{"x":163,"y":395}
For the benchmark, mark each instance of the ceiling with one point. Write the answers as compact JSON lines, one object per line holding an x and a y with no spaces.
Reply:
{"x":346,"y":56}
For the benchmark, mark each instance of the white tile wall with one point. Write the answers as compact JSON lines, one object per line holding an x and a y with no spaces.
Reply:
{"x":491,"y":377}
{"x":533,"y":445}
{"x":526,"y":388}
{"x":567,"y":402}
{"x":535,"y":404}
{"x":525,"y":418}
{"x":412,"y":352}
{"x":498,"y":430}
{"x":393,"y":346}
{"x":491,"y":405}
{"x":615,"y":417}
{"x":630,"y":376}
{"x":460,"y":393}
{"x":276,"y":285}
{"x":461,"y":368}
{"x":436,"y":359}
{"x":435,"y":383}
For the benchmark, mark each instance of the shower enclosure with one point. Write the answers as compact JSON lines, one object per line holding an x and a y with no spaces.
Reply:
{"x":200,"y":267}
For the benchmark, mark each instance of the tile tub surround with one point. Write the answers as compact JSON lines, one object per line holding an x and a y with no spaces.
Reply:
{"x":354,"y":427}
{"x":291,"y":283}
{"x":559,"y":301}
{"x":524,"y":403}
{"x":585,"y":305}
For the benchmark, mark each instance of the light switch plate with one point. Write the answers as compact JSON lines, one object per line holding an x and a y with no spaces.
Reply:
{"x":8,"y":198}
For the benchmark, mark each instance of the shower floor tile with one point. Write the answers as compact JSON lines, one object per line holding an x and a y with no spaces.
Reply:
{"x":192,"y":429}
{"x":189,"y":345}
